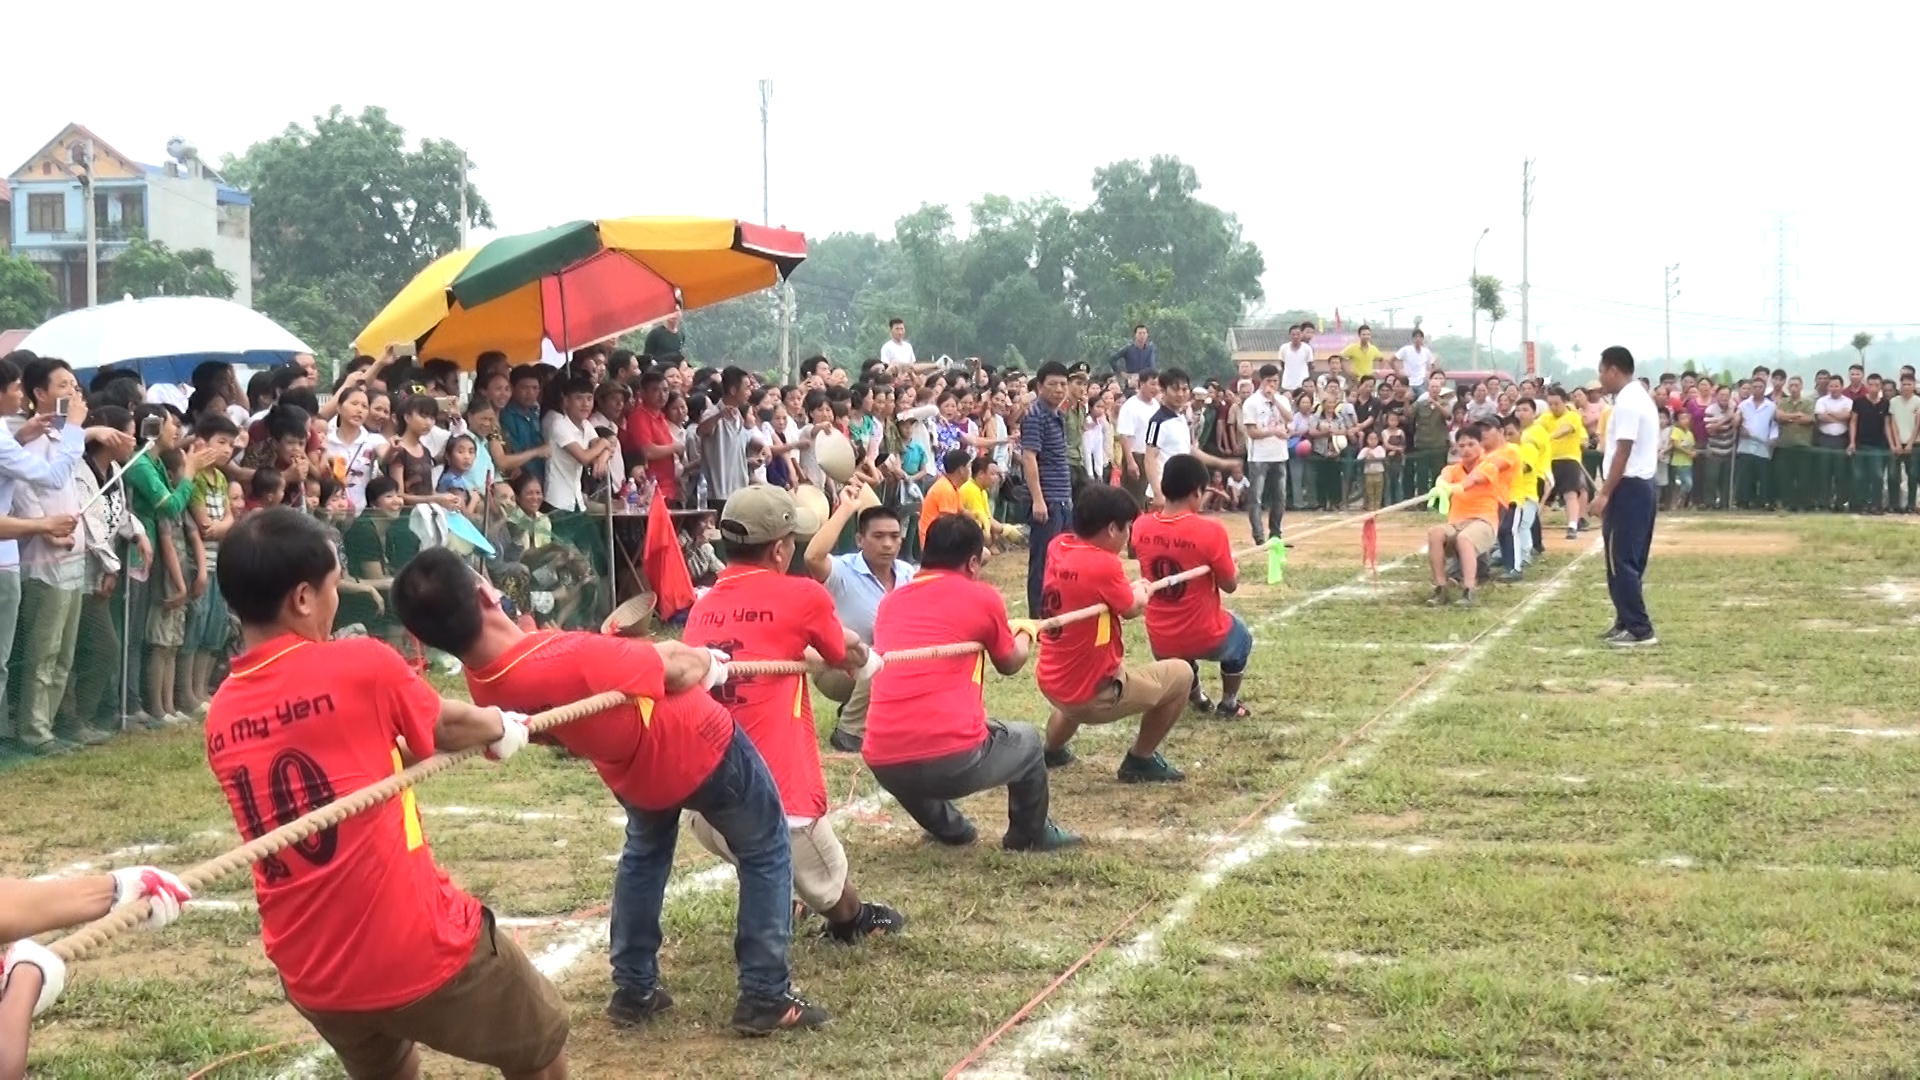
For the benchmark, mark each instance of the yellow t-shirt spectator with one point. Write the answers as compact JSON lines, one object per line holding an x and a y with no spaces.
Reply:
{"x":974,"y":498}
{"x":1361,"y":358}
{"x":1565,"y":447}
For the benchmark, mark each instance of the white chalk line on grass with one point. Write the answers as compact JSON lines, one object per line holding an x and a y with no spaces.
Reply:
{"x":1055,"y":1031}
{"x":1813,"y":729}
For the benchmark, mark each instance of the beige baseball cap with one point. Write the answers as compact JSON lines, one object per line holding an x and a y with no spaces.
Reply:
{"x":762,"y":513}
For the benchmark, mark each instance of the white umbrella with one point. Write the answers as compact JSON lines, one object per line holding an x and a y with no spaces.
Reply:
{"x":164,"y":336}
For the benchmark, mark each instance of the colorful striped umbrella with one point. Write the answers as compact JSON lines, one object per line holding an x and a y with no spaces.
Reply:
{"x":578,"y":283}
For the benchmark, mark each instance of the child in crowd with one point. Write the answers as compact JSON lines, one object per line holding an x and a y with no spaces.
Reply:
{"x":1237,"y":488}
{"x":211,"y":505}
{"x":1680,"y":447}
{"x":1394,"y":441}
{"x":167,"y":620}
{"x":1373,"y":467}
{"x":461,"y":452}
{"x":269,"y":488}
{"x":1215,"y":498}
{"x":410,"y":461}
{"x":1663,"y":460}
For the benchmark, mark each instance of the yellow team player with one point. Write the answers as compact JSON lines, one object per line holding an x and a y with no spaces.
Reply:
{"x":1567,"y":437}
{"x":1523,"y":496}
{"x":976,"y":499}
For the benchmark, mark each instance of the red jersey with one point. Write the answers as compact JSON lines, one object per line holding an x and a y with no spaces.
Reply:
{"x":755,"y":614}
{"x":357,"y":918}
{"x":931,"y":708}
{"x":646,"y":428}
{"x":1185,"y":620}
{"x":652,"y":753}
{"x":1076,"y":660}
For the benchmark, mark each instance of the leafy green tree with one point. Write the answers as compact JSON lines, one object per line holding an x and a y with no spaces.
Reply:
{"x":346,"y":207}
{"x":1860,"y":342}
{"x":1487,"y":298}
{"x":26,"y":293}
{"x":150,"y":268}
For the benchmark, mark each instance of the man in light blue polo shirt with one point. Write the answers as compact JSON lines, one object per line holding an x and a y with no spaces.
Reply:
{"x":857,"y":580}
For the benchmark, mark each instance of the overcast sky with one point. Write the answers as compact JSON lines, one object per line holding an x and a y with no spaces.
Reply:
{"x":1363,"y":146}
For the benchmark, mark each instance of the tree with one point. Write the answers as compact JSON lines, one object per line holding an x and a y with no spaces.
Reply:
{"x":1860,"y":342}
{"x":26,"y":293}
{"x":150,"y":268}
{"x":347,"y":208}
{"x":1487,"y":298}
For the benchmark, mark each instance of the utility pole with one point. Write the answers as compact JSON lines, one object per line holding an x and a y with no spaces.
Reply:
{"x":465,"y":165}
{"x":1526,"y":206}
{"x":766,"y":218}
{"x":1780,"y":290}
{"x":1672,"y":293}
{"x":93,"y":226}
{"x":1473,"y":300}
{"x":1390,"y":314}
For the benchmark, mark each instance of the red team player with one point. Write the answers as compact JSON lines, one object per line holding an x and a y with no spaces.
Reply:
{"x":674,"y":747}
{"x":376,"y":948}
{"x":757,"y":611}
{"x":1185,"y":621}
{"x":1079,"y":670}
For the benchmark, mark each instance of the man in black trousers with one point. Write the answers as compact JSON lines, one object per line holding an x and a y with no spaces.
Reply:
{"x":1627,"y":499}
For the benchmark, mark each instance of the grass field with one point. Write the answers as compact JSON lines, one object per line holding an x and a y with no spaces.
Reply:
{"x":1451,"y":843}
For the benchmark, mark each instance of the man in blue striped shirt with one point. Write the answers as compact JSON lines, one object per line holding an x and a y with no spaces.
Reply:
{"x":1043,"y":457}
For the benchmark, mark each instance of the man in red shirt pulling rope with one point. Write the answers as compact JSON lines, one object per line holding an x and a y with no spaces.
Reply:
{"x":928,"y":739}
{"x":1186,"y":621}
{"x":674,"y":748}
{"x":758,"y":611}
{"x":1079,"y":671}
{"x":376,"y":948}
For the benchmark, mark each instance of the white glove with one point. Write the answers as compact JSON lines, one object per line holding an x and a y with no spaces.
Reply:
{"x":513,"y":736}
{"x":53,"y":970}
{"x":873,"y":665}
{"x":163,"y":892}
{"x":716,"y":670}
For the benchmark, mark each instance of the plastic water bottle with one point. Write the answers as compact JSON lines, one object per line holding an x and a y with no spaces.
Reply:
{"x":632,"y":493}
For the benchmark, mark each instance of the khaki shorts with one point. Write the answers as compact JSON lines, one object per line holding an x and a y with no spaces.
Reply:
{"x":819,"y":864}
{"x":1133,"y":691}
{"x":851,"y":694}
{"x":497,"y":1011}
{"x":1475,"y":531}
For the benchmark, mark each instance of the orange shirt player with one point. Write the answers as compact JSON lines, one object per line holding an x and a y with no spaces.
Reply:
{"x":376,"y":948}
{"x":757,"y":611}
{"x":1186,"y":621}
{"x":669,"y":746}
{"x":1079,"y":671}
{"x":1473,"y":515}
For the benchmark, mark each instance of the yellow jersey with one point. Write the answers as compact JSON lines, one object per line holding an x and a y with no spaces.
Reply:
{"x":1361,"y":358}
{"x":974,"y":498}
{"x":1526,"y":479}
{"x":1564,"y":447}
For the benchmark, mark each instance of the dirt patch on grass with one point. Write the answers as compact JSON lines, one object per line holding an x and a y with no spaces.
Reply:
{"x":1714,"y":542}
{"x":1612,"y":687}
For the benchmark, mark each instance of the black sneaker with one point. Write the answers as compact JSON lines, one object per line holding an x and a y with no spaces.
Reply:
{"x":1052,"y":838}
{"x":631,"y":1008}
{"x":785,"y":1013}
{"x":843,"y":742}
{"x":1612,"y":632}
{"x":1439,"y":597}
{"x":1628,"y":640}
{"x":872,"y":919}
{"x":1466,"y":598}
{"x":1148,"y":770}
{"x":1059,"y":759}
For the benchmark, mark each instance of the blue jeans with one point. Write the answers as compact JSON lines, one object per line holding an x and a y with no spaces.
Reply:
{"x":741,"y":802}
{"x":1059,"y":520}
{"x":1627,"y":531}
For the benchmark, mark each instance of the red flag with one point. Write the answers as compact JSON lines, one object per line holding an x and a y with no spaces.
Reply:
{"x":665,"y":567}
{"x":1370,"y":545}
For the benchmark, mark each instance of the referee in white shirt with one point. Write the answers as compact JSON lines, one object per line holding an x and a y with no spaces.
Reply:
{"x":1627,"y":499}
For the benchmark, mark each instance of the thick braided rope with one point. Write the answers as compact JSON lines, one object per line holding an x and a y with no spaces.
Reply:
{"x":77,"y":944}
{"x":934,"y":652}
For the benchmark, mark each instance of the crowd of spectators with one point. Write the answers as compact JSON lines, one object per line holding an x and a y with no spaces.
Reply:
{"x":111,"y":596}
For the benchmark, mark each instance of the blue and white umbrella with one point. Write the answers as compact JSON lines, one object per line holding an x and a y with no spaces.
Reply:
{"x":164,"y":337}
